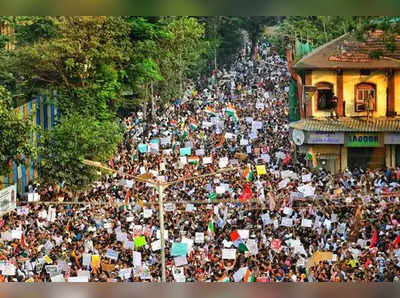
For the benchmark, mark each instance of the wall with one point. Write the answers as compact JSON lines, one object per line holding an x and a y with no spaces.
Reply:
{"x":44,"y":115}
{"x":319,"y":76}
{"x":352,"y":78}
{"x":397,"y":92}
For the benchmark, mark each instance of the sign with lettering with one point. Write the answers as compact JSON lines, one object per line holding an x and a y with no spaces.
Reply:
{"x":392,"y":138}
{"x":363,"y":140}
{"x":325,"y":138}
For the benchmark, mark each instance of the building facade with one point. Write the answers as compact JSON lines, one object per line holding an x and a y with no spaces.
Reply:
{"x":365,"y":93}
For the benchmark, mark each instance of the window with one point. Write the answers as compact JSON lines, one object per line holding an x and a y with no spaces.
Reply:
{"x":365,"y":94}
{"x":324,"y":96}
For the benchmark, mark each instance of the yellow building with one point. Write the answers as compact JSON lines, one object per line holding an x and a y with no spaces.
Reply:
{"x":366,"y":93}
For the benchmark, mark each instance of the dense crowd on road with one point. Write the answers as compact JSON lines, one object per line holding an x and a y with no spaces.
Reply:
{"x":273,"y":218}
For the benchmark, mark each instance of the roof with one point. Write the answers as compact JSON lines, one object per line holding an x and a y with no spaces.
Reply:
{"x":348,"y":125}
{"x":347,"y":52}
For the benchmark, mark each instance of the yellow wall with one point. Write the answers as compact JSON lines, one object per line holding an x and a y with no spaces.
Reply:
{"x":319,"y":76}
{"x":352,"y":78}
{"x":397,"y":92}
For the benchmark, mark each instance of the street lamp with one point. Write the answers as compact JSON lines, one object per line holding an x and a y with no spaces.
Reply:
{"x":160,"y":188}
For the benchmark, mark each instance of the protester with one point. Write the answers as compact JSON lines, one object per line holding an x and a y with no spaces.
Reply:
{"x":273,"y":219}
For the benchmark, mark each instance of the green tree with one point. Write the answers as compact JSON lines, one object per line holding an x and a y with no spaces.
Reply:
{"x":85,"y":56}
{"x":76,"y":138}
{"x":15,"y":133}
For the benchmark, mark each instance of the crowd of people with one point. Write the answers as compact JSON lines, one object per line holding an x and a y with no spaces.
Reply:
{"x":269,"y":217}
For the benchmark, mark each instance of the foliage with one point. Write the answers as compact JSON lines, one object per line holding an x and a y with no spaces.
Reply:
{"x":15,"y":133}
{"x":85,"y":56}
{"x":76,"y":138}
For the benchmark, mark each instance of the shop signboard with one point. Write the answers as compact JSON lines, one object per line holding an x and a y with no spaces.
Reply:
{"x":363,"y":140}
{"x":325,"y":138}
{"x":392,"y":138}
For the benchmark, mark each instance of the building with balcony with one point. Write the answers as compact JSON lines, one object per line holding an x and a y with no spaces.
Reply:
{"x":362,"y":79}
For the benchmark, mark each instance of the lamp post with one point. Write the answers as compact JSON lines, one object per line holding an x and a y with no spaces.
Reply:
{"x":160,"y":188}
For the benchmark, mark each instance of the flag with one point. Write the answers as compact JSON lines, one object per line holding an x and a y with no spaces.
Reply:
{"x":374,"y":239}
{"x":67,"y":228}
{"x":173,"y":123}
{"x":209,"y":110}
{"x":127,"y":197}
{"x":311,"y":156}
{"x":185,"y":133}
{"x":242,"y":247}
{"x":193,"y":159}
{"x":287,"y":159}
{"x":193,"y":125}
{"x":212,"y":196}
{"x":23,"y":242}
{"x":211,"y":228}
{"x":231,"y":111}
{"x":246,"y":194}
{"x":248,"y":174}
{"x":234,"y":235}
{"x":248,"y":277}
{"x":221,"y":141}
{"x":2,"y":279}
{"x":396,"y":242}
{"x":224,"y":278}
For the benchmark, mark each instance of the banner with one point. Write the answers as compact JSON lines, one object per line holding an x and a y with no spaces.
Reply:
{"x":8,"y":199}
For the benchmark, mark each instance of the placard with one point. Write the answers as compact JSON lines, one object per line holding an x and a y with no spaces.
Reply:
{"x":8,"y":199}
{"x":228,"y":254}
{"x":199,"y":237}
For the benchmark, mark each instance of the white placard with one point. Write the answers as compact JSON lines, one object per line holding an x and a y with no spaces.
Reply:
{"x":223,"y":162}
{"x":244,"y":234}
{"x":147,"y":213}
{"x":137,"y":259}
{"x":199,"y":237}
{"x":189,"y":208}
{"x":180,"y":261}
{"x":78,"y":279}
{"x":228,"y":253}
{"x":286,"y":222}
{"x":306,"y":223}
{"x":156,"y":245}
{"x":207,"y":160}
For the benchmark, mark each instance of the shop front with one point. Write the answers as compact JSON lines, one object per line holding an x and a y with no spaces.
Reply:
{"x":327,"y":149}
{"x":365,"y":150}
{"x":393,"y":140}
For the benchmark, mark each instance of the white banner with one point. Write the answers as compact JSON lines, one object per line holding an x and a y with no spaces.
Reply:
{"x":8,"y":199}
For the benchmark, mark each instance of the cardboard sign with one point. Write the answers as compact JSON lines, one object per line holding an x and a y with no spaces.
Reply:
{"x":228,"y":254}
{"x":179,"y":249}
{"x":199,"y":237}
{"x":306,"y":223}
{"x":137,"y":259}
{"x":287,"y":222}
{"x":261,"y":170}
{"x":180,"y":261}
{"x":112,"y":254}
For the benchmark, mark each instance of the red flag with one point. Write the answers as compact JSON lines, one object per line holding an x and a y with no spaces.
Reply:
{"x":287,"y":159}
{"x":246,"y":194}
{"x":374,"y":239}
{"x":23,"y":242}
{"x":128,"y":197}
{"x":367,"y":263}
{"x":234,"y":236}
{"x":396,"y":242}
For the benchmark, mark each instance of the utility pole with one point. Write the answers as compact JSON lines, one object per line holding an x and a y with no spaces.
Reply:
{"x":160,"y":188}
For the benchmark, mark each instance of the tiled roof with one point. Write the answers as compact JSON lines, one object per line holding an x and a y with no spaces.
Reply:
{"x":347,"y":52}
{"x":348,"y":125}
